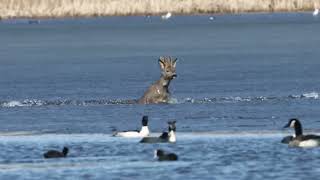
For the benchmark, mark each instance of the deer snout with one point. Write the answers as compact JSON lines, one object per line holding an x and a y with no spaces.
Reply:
{"x":174,"y":75}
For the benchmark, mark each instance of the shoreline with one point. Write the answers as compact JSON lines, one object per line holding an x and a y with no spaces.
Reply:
{"x":45,"y":9}
{"x":151,"y":15}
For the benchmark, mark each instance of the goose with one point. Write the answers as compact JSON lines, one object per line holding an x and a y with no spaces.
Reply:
{"x":135,"y":134}
{"x":56,"y":154}
{"x":165,"y":137}
{"x":300,"y":140}
{"x":163,"y":156}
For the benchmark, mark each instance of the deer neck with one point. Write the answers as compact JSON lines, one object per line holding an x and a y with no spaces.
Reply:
{"x":164,"y":82}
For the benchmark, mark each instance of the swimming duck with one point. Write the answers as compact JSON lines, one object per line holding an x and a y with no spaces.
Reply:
{"x":163,"y":156}
{"x":56,"y":154}
{"x":134,"y":134}
{"x":300,"y":140}
{"x":165,"y":137}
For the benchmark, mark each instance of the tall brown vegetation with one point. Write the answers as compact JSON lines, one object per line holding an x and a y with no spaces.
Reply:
{"x":74,"y":8}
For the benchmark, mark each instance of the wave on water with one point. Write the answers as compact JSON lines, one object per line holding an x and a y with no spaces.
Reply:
{"x":189,"y":100}
{"x":12,"y":104}
{"x":313,"y":95}
{"x":63,"y":102}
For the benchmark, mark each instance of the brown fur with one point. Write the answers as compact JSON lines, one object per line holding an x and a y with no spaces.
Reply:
{"x":159,"y":92}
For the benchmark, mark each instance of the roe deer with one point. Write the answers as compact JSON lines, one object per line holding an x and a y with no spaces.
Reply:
{"x":159,"y":92}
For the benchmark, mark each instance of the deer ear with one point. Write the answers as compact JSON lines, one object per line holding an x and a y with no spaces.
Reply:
{"x":161,"y":62}
{"x":175,"y":62}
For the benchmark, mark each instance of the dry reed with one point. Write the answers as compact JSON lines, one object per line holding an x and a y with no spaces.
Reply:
{"x":74,"y":8}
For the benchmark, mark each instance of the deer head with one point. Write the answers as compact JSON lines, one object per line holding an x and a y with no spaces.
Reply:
{"x":168,"y":67}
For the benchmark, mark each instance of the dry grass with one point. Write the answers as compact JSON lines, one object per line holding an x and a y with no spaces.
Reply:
{"x":73,"y":8}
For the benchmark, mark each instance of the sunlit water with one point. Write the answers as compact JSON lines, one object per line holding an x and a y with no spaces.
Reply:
{"x":72,"y":82}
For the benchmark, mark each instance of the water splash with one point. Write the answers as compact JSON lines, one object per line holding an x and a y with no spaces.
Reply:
{"x":173,"y":101}
{"x":313,"y":95}
{"x":188,"y":100}
{"x":12,"y":104}
{"x":63,"y":102}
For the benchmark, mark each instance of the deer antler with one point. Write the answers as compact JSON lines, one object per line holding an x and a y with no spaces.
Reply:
{"x":162,"y":59}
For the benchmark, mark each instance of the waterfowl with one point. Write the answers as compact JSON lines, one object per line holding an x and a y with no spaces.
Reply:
{"x":300,"y":140}
{"x":144,"y":131}
{"x":163,"y":156}
{"x":315,"y":12}
{"x":56,"y":154}
{"x":165,"y":137}
{"x":166,"y":16}
{"x":212,"y":18}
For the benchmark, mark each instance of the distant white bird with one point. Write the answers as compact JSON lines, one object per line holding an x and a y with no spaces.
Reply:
{"x":316,"y":12}
{"x":211,"y":18}
{"x":166,"y":16}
